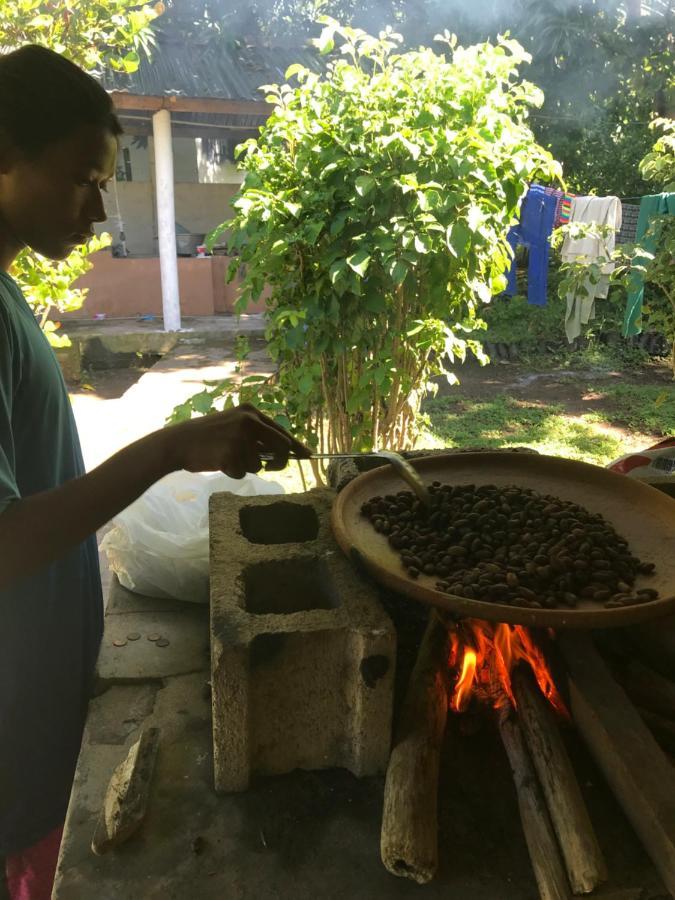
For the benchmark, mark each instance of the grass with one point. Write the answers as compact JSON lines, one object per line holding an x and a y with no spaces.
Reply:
{"x":504,"y":422}
{"x":643,"y":407}
{"x":501,"y":421}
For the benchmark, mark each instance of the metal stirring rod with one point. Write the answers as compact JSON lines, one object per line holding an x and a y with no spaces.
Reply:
{"x":401,"y":465}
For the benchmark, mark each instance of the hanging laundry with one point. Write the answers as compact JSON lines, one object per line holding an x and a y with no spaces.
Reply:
{"x":563,"y":206}
{"x":589,"y":210}
{"x":650,"y":206}
{"x":629,"y":219}
{"x":563,"y":211}
{"x":537,"y":215}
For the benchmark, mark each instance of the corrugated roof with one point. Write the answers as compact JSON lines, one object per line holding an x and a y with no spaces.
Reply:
{"x":226,"y":72}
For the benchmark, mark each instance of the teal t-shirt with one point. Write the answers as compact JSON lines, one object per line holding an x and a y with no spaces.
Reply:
{"x":51,"y":620}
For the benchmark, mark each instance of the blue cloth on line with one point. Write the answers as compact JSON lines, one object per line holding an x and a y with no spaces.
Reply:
{"x":537,"y":218}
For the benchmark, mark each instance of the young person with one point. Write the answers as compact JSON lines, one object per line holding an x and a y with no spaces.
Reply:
{"x":58,"y":145}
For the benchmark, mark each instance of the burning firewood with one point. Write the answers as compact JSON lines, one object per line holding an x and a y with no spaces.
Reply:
{"x":583,"y":858}
{"x":484,"y":655}
{"x":541,"y":842}
{"x":635,"y":767}
{"x":409,"y":838}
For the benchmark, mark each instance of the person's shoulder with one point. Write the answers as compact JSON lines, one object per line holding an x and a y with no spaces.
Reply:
{"x":8,"y":305}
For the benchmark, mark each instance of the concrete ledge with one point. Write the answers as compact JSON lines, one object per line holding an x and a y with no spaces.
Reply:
{"x":114,"y":344}
{"x":302,"y":653}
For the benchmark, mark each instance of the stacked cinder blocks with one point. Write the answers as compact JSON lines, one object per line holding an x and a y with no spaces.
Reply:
{"x":302,"y":653}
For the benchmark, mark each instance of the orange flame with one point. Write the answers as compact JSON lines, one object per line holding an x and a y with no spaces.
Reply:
{"x":485,"y":653}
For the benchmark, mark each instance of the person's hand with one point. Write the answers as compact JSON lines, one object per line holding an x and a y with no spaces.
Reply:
{"x":230,"y":442}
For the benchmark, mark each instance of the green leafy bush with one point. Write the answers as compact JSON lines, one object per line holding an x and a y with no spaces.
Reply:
{"x":47,"y":285}
{"x":375,"y":207}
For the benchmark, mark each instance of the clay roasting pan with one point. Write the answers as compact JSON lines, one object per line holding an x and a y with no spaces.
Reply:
{"x":644,"y":516}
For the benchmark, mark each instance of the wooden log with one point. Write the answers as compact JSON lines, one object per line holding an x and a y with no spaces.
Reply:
{"x":634,"y":765}
{"x":655,"y":642}
{"x":126,"y":798}
{"x":409,"y":837}
{"x":586,"y":867}
{"x":648,"y":689}
{"x":662,"y":729}
{"x":541,"y":842}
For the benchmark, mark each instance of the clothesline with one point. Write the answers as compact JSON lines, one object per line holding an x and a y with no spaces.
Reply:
{"x":545,"y":207}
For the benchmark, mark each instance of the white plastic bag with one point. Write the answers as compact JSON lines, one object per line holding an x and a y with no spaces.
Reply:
{"x":159,"y":545}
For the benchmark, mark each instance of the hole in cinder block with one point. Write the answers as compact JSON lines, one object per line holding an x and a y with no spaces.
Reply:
{"x":279,"y":523}
{"x":266,"y":647}
{"x":373,"y":668}
{"x":288,"y":586}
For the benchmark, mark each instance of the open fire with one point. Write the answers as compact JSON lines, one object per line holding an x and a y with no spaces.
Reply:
{"x":484,"y":654}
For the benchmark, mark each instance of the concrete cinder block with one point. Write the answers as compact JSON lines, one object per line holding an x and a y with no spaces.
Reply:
{"x":302,"y":653}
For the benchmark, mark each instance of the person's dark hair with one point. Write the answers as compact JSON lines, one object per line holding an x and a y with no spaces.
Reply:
{"x":45,"y":98}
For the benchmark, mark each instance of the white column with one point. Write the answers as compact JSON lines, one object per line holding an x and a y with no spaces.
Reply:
{"x":166,"y":219}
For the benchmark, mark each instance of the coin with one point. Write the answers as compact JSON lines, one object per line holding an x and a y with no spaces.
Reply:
{"x":134,"y":636}
{"x":119,"y":642}
{"x":162,"y":642}
{"x":154,"y":636}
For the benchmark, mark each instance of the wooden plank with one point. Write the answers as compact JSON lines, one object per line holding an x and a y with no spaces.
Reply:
{"x":174,"y":103}
{"x":586,"y":867}
{"x":541,"y":842}
{"x":634,"y":765}
{"x":409,"y":838}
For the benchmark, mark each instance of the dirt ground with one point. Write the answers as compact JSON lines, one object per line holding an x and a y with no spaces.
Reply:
{"x":555,"y":386}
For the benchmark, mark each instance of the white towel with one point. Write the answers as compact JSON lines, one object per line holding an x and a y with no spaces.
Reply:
{"x":603,"y":211}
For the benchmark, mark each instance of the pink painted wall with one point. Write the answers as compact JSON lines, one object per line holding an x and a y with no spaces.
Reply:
{"x":132,"y":286}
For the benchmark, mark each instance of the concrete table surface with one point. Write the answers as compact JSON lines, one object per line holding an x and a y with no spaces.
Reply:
{"x":303,"y":836}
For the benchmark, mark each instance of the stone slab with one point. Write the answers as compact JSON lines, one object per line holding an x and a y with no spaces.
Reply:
{"x":303,"y":655}
{"x":310,"y":835}
{"x":142,"y":659}
{"x":121,"y":600}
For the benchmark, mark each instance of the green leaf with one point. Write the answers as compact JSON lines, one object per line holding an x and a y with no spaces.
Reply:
{"x":359,"y":262}
{"x":306,"y":383}
{"x":294,"y":69}
{"x":44,"y":20}
{"x":326,"y":41}
{"x":376,"y":303}
{"x":364,"y":185}
{"x":313,"y":230}
{"x":293,"y":208}
{"x":203,"y":402}
{"x":399,"y":271}
{"x":457,"y":239}
{"x":338,"y":222}
{"x":423,"y":243}
{"x":131,"y":62}
{"x":337,"y":270}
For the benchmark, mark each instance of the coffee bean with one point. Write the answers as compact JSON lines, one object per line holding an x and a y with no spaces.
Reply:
{"x":509,"y":545}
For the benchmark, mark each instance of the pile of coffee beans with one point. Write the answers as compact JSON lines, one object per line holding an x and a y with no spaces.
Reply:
{"x":510,"y":545}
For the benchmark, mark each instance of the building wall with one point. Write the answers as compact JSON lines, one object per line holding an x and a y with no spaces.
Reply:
{"x":127,"y":287}
{"x":124,"y":288}
{"x":137,"y":210}
{"x":200,"y":206}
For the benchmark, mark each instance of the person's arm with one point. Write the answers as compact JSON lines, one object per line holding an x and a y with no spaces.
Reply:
{"x":38,"y":529}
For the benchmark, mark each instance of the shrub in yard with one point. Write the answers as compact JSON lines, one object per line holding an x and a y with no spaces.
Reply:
{"x":375,"y":207}
{"x":659,"y":166}
{"x":48,"y":285}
